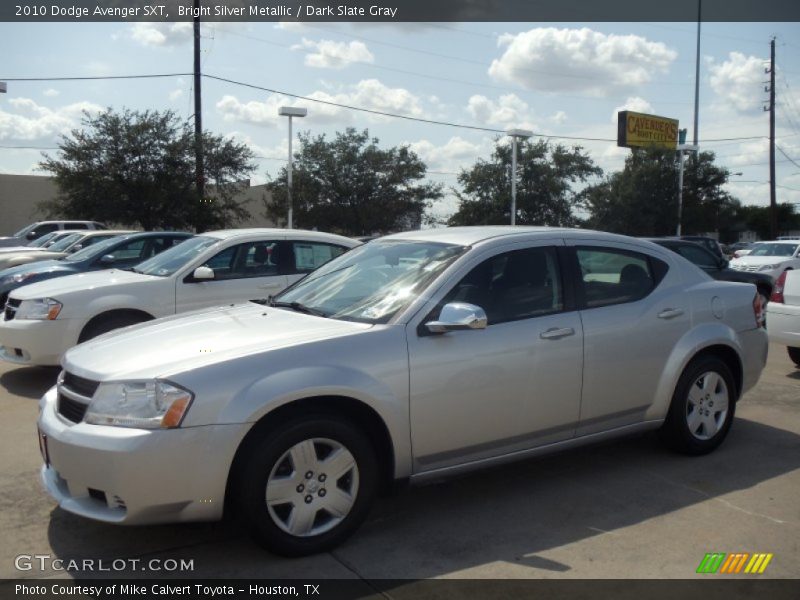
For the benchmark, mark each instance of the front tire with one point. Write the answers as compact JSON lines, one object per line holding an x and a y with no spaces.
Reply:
{"x":794,"y":354}
{"x":702,"y":408}
{"x":307,"y":486}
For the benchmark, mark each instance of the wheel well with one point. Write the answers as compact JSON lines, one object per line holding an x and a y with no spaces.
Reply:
{"x":127,"y":312}
{"x":341,"y":406}
{"x":730,"y":358}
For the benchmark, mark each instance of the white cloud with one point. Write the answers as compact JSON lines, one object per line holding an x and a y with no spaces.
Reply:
{"x":451,"y":156}
{"x":737,"y":82}
{"x":162,"y":34}
{"x":368,"y":93}
{"x":31,"y":121}
{"x":51,"y":93}
{"x":559,"y":118}
{"x":328,"y":54}
{"x":634,"y":103}
{"x":508,"y":111}
{"x":175,"y":95}
{"x":559,"y":60}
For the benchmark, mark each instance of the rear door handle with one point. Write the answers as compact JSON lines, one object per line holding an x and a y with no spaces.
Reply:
{"x":670,"y":313}
{"x":556,"y":333}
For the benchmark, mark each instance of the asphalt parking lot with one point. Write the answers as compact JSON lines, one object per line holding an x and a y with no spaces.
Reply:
{"x":625,"y":509}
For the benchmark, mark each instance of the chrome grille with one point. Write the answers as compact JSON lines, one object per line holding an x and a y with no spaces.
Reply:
{"x":74,"y":395}
{"x":11,"y":308}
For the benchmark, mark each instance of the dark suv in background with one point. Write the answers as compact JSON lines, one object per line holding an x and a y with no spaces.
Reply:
{"x":716,"y":266}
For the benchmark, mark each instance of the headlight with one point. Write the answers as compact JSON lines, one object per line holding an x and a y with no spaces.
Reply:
{"x":143,"y":404}
{"x":18,"y":278}
{"x":768,"y":267}
{"x":45,"y":309}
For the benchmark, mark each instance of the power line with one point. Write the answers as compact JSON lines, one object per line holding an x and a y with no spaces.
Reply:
{"x":789,"y":158}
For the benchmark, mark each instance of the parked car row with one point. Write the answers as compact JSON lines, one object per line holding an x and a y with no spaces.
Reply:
{"x":40,"y":228}
{"x":411,"y":357}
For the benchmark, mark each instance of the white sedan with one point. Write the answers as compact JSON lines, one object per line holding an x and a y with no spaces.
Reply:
{"x":43,"y":320}
{"x":415,"y":356}
{"x":783,"y":314}
{"x":769,"y":258}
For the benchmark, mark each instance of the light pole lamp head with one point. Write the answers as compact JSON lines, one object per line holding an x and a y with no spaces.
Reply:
{"x":520,"y":133}
{"x":292,"y":111}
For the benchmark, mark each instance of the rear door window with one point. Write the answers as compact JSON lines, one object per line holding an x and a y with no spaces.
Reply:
{"x":614,"y":276}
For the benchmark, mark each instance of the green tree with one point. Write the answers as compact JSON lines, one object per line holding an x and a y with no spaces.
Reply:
{"x":351,"y":186}
{"x":642,"y":199}
{"x":137,"y":169}
{"x":545,"y":175}
{"x":757,"y":218}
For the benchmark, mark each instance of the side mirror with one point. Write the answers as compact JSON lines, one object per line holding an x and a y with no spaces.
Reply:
{"x":457,"y":316}
{"x":723,"y":263}
{"x":31,"y":235}
{"x":107,"y":259}
{"x":75,"y":248}
{"x":203,"y":274}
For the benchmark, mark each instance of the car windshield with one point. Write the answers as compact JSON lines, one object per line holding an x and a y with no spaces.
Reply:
{"x":39,"y":242}
{"x":371,"y":283}
{"x":65,"y":243}
{"x":773,"y":250}
{"x":25,"y":230}
{"x":169,"y":261}
{"x":97,"y":249}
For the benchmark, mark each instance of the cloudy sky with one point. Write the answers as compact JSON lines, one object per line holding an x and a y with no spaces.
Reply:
{"x":561,"y":79}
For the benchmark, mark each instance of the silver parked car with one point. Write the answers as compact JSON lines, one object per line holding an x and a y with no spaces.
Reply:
{"x":415,"y":356}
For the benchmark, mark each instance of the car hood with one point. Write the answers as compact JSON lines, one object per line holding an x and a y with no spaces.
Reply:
{"x":749,"y":259}
{"x":5,"y":249}
{"x":79,"y":283}
{"x":191,"y":340}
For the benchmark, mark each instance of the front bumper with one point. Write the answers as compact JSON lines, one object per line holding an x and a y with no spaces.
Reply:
{"x":136,"y":476}
{"x":783,"y":324}
{"x":37,"y":342}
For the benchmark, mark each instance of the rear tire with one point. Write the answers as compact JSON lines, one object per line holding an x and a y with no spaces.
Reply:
{"x":794,"y":354}
{"x":307,"y":486}
{"x":702,"y":408}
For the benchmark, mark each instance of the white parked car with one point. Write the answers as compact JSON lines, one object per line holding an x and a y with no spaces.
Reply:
{"x":77,"y":240}
{"x":783,"y":313}
{"x":770,"y":258}
{"x":417,"y":355}
{"x":44,"y":319}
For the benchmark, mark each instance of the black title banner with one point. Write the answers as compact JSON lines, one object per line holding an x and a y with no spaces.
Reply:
{"x":439,"y":589}
{"x":401,"y":10}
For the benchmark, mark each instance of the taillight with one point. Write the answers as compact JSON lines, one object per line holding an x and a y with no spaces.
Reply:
{"x":758,"y":311}
{"x":777,"y":291}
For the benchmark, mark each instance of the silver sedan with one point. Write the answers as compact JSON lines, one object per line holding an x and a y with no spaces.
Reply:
{"x":414,"y":356}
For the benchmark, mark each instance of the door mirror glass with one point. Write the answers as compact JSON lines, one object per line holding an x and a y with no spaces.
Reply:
{"x":456,"y":316}
{"x":108,"y":259}
{"x":203,"y":274}
{"x":31,"y":235}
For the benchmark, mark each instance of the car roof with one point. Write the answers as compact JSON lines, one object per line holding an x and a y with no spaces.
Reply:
{"x":794,"y":242}
{"x":225,"y":234}
{"x":468,"y":236}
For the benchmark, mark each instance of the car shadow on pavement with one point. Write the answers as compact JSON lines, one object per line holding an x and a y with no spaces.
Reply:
{"x":512,"y":514}
{"x":29,"y":382}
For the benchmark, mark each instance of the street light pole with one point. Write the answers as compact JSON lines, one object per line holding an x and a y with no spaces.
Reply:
{"x":681,"y":149}
{"x":290,"y":111}
{"x":515,"y":134}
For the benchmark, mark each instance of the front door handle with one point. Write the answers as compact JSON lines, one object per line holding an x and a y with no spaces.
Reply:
{"x":670,"y":313}
{"x":556,"y":333}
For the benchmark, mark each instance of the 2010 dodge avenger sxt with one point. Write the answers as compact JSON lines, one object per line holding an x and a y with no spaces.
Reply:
{"x":414,"y":356}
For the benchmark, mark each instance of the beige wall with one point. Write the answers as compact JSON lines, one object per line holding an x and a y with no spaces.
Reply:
{"x":19,"y":195}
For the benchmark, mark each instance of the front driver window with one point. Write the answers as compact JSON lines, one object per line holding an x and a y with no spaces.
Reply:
{"x":514,"y":285}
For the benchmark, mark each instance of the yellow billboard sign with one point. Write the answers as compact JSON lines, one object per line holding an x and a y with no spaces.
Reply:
{"x":645,"y":131}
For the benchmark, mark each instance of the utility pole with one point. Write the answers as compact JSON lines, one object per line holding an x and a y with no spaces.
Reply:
{"x":198,"y":117}
{"x":773,"y":208}
{"x":697,"y":75}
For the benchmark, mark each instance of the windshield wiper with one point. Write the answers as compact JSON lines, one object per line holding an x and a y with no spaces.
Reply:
{"x":297,"y":306}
